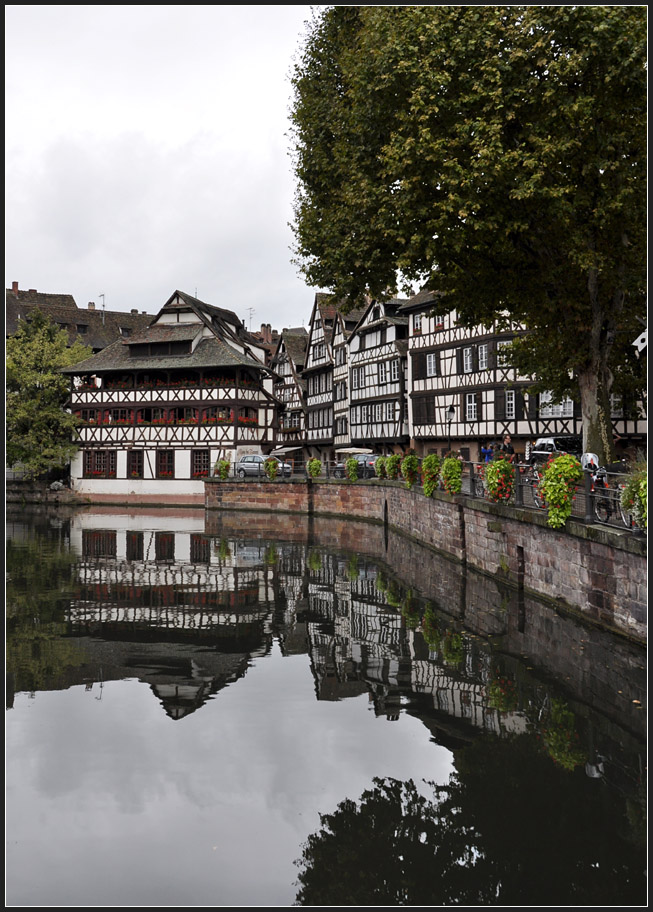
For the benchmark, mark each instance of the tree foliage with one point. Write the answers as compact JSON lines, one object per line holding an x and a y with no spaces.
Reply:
{"x":40,"y":432}
{"x":495,"y":154}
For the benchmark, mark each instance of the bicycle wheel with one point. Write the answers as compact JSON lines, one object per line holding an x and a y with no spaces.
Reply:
{"x":602,"y":509}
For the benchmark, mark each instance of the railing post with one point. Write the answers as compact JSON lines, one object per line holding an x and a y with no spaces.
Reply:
{"x":590,"y":513}
{"x":519,"y":491}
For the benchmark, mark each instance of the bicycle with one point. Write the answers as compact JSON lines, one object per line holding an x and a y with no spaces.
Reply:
{"x":606,"y":501}
{"x":531,"y":478}
{"x":478,"y":483}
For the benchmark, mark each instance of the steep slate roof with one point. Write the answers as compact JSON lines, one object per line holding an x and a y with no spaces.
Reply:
{"x":102,"y":326}
{"x":296,"y":341}
{"x":208,"y":353}
{"x":424,"y":298}
{"x":166,"y":332}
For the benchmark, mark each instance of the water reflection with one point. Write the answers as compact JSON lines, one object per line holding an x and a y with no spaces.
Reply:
{"x":542,"y":718}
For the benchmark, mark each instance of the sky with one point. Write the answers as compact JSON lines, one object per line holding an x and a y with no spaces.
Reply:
{"x":147,"y":150}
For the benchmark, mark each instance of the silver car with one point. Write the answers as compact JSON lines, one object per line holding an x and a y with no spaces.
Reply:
{"x":253,"y":465}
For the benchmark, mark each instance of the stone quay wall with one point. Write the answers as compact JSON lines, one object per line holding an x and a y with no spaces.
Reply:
{"x":595,"y":572}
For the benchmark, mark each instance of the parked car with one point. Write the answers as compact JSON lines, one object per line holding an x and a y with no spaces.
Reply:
{"x":545,"y":447}
{"x":253,"y":465}
{"x":366,"y":466}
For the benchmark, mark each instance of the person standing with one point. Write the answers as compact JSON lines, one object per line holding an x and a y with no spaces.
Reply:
{"x":507,"y":448}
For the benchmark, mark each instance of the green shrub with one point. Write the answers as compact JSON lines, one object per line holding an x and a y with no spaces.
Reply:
{"x":351,"y":468}
{"x":221,"y":469}
{"x":380,"y":467}
{"x":271,"y":468}
{"x":410,"y":469}
{"x":633,"y":495}
{"x":314,"y":467}
{"x":452,"y":475}
{"x":558,"y":486}
{"x":393,"y":466}
{"x":431,"y":466}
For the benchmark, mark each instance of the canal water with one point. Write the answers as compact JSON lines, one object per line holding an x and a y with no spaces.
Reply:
{"x":234,"y":709}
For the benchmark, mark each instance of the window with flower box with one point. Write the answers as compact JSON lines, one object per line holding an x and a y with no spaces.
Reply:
{"x":200,"y":463}
{"x":165,"y":463}
{"x":121,"y":416}
{"x":99,"y":463}
{"x":134,"y":463}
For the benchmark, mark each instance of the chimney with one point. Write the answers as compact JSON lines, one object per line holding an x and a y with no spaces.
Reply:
{"x":14,"y":287}
{"x":91,"y":305}
{"x":32,"y":291}
{"x":134,"y":310}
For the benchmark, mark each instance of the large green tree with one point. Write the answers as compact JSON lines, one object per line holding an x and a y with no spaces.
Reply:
{"x":40,"y":432}
{"x":496,"y":155}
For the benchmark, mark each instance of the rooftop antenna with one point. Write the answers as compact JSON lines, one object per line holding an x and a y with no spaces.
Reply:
{"x":102,"y":296}
{"x":250,"y":311}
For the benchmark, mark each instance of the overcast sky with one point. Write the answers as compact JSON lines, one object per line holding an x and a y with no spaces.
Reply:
{"x":147,"y":150}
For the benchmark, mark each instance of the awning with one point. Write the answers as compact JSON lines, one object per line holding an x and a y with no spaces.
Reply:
{"x":355,"y":451}
{"x":288,"y":449}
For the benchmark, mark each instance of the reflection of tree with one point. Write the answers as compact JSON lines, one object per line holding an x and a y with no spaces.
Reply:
{"x":39,"y":588}
{"x":492,"y":836}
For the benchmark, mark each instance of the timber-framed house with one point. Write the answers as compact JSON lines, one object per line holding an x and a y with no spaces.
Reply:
{"x":290,"y":388}
{"x":343,"y":327}
{"x":318,"y":374}
{"x":159,"y":408}
{"x":463,"y":394}
{"x":378,"y":415}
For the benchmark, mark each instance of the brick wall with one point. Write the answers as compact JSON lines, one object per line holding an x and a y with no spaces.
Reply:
{"x":596,"y":572}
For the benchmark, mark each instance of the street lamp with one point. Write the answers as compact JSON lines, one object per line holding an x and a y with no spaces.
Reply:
{"x":450,"y":416}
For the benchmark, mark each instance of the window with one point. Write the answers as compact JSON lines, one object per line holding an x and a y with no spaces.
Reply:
{"x":378,"y":411}
{"x":390,"y":411}
{"x":438,"y":319}
{"x":471,"y":410}
{"x":200,"y":549}
{"x":134,"y":463}
{"x":200,"y":463}
{"x":383,"y":372}
{"x":99,"y":464}
{"x":564,"y":409}
{"x":165,"y":463}
{"x":99,"y":543}
{"x":82,"y":328}
{"x":482,"y":356}
{"x":468,"y":360}
{"x":394,"y":371}
{"x":502,"y":359}
{"x":510,"y":403}
{"x":616,"y":406}
{"x":432,"y":364}
{"x":417,"y":323}
{"x":125,"y":331}
{"x":320,"y":351}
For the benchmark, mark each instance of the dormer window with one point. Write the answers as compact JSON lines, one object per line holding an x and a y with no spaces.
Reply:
{"x":125,"y":331}
{"x":82,"y":328}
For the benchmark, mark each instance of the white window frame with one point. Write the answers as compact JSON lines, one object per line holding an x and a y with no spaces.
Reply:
{"x":510,"y":404}
{"x":565,"y":409}
{"x":468,"y":360}
{"x":431,"y":364}
{"x":501,"y":358}
{"x":383,"y":372}
{"x":471,"y":407}
{"x":394,"y":370}
{"x":417,"y":323}
{"x":483,"y":356}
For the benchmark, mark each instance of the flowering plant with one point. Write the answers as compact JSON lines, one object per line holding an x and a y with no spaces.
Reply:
{"x":380,"y":467}
{"x":452,"y":471}
{"x":558,"y":486}
{"x":393,"y":465}
{"x":500,"y":479}
{"x":410,"y":469}
{"x":431,"y":465}
{"x":633,"y":495}
{"x":221,"y":469}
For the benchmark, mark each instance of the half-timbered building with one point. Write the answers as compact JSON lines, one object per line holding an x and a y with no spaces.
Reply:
{"x":290,"y":389}
{"x":318,"y":374}
{"x":343,"y":327}
{"x":463,"y":394}
{"x":160,"y":407}
{"x":378,"y":415}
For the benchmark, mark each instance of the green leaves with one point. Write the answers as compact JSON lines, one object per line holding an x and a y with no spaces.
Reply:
{"x":40,"y":433}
